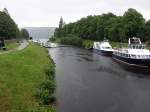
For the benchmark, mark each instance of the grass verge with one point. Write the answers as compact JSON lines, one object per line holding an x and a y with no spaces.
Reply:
{"x":10,"y":45}
{"x":21,"y":74}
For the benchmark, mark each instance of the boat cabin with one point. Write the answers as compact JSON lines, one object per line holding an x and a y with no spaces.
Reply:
{"x":135,"y":50}
{"x":135,"y":43}
{"x":136,"y":46}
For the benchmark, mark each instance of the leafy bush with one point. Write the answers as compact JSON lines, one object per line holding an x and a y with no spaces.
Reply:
{"x":52,"y":39}
{"x":50,"y":72}
{"x":43,"y":109}
{"x":45,"y":92}
{"x":71,"y":40}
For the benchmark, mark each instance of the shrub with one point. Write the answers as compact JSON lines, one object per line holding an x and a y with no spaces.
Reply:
{"x":71,"y":40}
{"x":50,"y":72}
{"x":52,"y":39}
{"x":45,"y":92}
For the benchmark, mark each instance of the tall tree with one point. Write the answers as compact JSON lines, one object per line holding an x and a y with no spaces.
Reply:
{"x":133,"y":23}
{"x":59,"y":31}
{"x":24,"y":33}
{"x":147,"y":30}
{"x":8,"y":28}
{"x":6,"y":11}
{"x":115,"y":28}
{"x":61,"y":23}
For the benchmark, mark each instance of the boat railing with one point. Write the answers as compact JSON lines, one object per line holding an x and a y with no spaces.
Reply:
{"x":133,"y":56}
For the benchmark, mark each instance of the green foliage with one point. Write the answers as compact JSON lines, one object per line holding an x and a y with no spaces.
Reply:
{"x":44,"y":109}
{"x":87,"y":44}
{"x":147,"y":30}
{"x":52,"y":39}
{"x":11,"y":45}
{"x":115,"y":28}
{"x":133,"y":23}
{"x":20,"y":75}
{"x":50,"y":72}
{"x":45,"y":92}
{"x":8,"y":28}
{"x":71,"y":40}
{"x":59,"y":32}
{"x":24,"y":33}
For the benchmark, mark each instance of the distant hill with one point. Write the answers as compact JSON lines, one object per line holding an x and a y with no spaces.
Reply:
{"x":41,"y":32}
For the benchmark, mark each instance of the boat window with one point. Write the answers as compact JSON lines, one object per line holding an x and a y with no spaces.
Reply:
{"x":141,"y":47}
{"x":107,"y":47}
{"x":142,"y":56}
{"x":133,"y":47}
{"x":138,"y":56}
{"x":119,"y":54}
{"x":133,"y":56}
{"x":147,"y":56}
{"x":128,"y":55}
{"x":124,"y":54}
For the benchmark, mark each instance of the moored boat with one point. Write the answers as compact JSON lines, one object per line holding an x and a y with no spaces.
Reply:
{"x":135,"y":55}
{"x":103,"y":48}
{"x":50,"y":45}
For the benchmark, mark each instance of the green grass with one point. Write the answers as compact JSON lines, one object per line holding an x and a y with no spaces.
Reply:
{"x":12,"y":45}
{"x":21,"y":72}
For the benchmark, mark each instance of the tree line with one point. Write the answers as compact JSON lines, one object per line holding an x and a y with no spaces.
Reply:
{"x":8,"y":27}
{"x":115,"y":28}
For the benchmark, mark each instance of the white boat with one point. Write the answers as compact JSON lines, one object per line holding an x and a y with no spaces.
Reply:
{"x":103,"y":47}
{"x":50,"y":45}
{"x":135,"y":55}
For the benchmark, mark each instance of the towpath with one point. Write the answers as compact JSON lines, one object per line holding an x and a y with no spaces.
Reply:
{"x":22,"y":45}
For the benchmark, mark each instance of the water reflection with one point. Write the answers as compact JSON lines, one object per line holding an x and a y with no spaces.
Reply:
{"x":87,"y":82}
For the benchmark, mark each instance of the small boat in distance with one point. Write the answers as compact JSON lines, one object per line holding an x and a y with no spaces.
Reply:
{"x":135,"y":55}
{"x":50,"y":45}
{"x":103,"y":48}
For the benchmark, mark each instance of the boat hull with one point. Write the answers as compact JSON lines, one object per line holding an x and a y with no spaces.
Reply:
{"x":132,"y":62}
{"x":102,"y":52}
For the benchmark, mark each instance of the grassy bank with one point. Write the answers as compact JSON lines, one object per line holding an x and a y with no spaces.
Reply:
{"x":10,"y":45}
{"x":21,"y":74}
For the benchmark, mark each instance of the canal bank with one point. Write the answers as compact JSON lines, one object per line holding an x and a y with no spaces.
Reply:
{"x":22,"y":73}
{"x":87,"y":82}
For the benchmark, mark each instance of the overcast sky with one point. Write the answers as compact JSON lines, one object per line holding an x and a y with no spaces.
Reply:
{"x":47,"y":13}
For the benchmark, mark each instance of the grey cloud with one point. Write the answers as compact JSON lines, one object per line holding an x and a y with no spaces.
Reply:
{"x":47,"y":12}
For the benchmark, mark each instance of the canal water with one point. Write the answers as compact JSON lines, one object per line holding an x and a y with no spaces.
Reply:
{"x":87,"y":82}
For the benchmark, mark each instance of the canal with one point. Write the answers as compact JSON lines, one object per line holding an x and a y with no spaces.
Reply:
{"x":87,"y":82}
